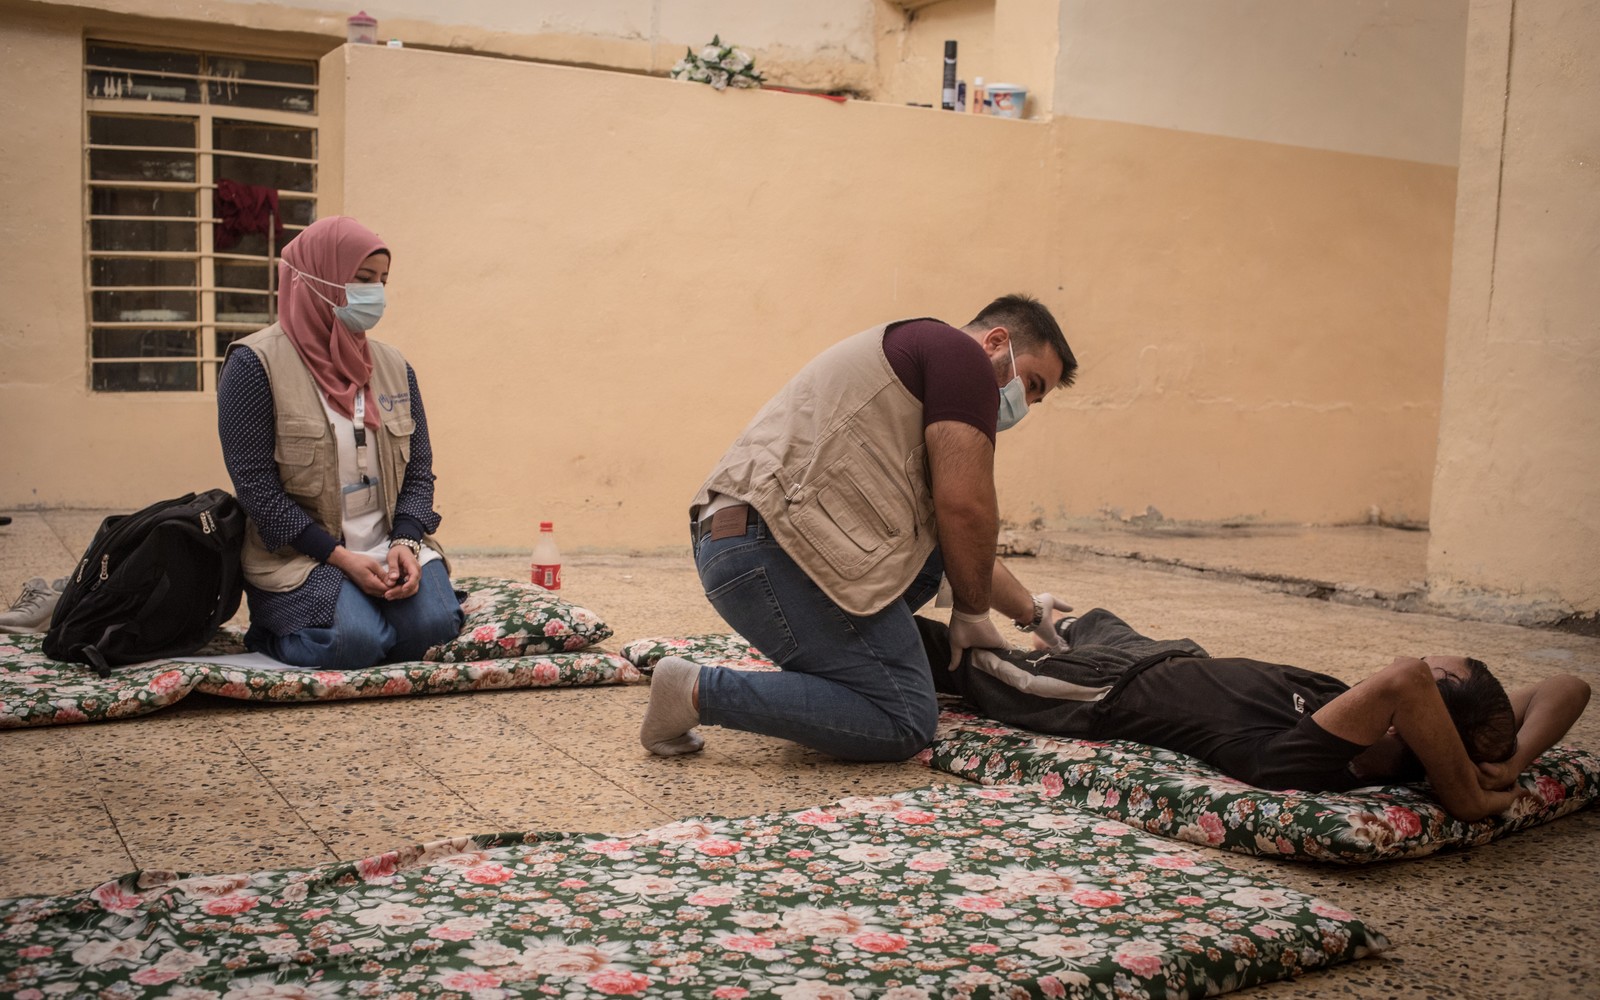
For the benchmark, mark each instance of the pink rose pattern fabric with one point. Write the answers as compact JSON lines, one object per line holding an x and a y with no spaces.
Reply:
{"x":716,"y":649}
{"x":507,"y":619}
{"x":946,"y":891}
{"x":1177,"y":796}
{"x":38,"y":691}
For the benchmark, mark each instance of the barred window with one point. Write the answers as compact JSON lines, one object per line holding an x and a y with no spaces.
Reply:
{"x":171,"y":281}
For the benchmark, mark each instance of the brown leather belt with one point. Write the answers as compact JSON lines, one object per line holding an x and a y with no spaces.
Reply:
{"x":728,"y":522}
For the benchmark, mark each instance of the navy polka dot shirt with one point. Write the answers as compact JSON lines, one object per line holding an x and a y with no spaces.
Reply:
{"x":246,"y":423}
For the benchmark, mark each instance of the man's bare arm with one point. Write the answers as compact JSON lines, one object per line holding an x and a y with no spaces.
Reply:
{"x":961,"y":467}
{"x":1403,"y":695}
{"x":1545,"y":711}
{"x":1015,"y":601}
{"x":1009,"y":596}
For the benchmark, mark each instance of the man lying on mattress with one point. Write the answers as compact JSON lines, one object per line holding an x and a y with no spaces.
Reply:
{"x":1445,"y":718}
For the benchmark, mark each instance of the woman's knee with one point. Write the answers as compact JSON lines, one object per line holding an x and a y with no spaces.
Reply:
{"x":329,"y":648}
{"x":428,"y":619}
{"x":356,"y":649}
{"x":434,"y":625}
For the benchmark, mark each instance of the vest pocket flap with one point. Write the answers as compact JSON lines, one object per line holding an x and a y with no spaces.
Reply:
{"x":844,"y":520}
{"x":400,"y":426}
{"x":852,"y":511}
{"x":297,"y":440}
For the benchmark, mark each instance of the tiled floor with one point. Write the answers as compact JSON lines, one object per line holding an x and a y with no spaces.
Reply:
{"x":216,"y":785}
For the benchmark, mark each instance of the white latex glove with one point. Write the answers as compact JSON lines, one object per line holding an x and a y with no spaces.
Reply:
{"x":1046,"y":636}
{"x":969,"y":632}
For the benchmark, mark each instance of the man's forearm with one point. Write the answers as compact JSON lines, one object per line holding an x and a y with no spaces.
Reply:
{"x":966,"y":542}
{"x":1403,"y":696}
{"x":961,"y":474}
{"x":1552,"y":708}
{"x":1009,"y":597}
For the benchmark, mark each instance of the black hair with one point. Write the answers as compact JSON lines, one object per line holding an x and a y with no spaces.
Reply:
{"x":1482,"y":712}
{"x":1030,"y":323}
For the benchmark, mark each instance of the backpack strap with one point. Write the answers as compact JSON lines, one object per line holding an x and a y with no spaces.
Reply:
{"x":95,"y":659}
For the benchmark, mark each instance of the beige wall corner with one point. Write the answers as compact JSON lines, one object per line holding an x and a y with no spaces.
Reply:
{"x":1026,"y":44}
{"x":1516,"y":499}
{"x":331,"y":77}
{"x":1379,"y":77}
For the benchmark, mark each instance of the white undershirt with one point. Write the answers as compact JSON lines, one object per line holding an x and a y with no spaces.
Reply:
{"x":368,"y":533}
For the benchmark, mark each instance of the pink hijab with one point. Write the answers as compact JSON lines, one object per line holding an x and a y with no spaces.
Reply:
{"x":339,"y":359}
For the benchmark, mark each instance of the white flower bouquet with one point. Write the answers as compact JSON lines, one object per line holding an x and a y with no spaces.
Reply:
{"x":720,"y":65}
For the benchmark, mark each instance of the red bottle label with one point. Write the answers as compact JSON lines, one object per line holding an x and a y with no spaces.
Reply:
{"x":548,"y":577}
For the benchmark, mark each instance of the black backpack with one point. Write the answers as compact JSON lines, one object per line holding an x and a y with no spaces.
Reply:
{"x":154,"y":584}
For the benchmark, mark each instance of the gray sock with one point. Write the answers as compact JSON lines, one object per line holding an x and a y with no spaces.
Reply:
{"x":671,"y":716}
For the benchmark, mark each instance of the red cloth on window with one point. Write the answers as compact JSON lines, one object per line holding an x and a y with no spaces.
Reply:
{"x":242,"y":209}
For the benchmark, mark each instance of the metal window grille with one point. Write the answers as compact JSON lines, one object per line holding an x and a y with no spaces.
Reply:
{"x":169,"y":285}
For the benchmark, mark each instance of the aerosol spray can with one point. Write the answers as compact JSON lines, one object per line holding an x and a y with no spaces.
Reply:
{"x":948,"y":100}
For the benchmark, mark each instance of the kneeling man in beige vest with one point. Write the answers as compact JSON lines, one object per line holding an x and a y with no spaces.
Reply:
{"x":865,"y":481}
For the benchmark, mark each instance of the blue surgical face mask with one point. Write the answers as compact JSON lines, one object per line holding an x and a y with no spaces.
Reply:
{"x":363,"y":305}
{"x":364,"y":301}
{"x":1013,"y":398}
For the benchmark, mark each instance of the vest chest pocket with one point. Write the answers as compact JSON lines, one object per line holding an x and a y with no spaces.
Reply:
{"x":400,"y":429}
{"x":296,"y":451}
{"x":850,"y":519}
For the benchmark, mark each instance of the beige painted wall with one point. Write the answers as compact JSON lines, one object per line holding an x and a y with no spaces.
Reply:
{"x":1381,"y":77}
{"x":1259,"y":328}
{"x":600,"y":286}
{"x":820,"y":44}
{"x":639,"y":264}
{"x":1516,"y":508}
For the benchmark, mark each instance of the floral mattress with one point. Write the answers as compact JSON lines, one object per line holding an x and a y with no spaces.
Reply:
{"x":1177,"y":796}
{"x":515,"y":636}
{"x":944,"y":891}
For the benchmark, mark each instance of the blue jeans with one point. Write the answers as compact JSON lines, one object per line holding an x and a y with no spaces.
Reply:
{"x":858,"y":688}
{"x":370,"y":630}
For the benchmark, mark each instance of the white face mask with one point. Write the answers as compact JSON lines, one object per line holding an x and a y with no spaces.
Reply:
{"x":1013,"y":398}
{"x":364,"y":300}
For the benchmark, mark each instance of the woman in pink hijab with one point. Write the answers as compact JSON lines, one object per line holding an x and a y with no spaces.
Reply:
{"x":325,"y":437}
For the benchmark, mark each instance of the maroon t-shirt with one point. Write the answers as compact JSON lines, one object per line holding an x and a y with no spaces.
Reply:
{"x":947,"y":370}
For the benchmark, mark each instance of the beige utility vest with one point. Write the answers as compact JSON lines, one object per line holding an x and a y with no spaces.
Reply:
{"x":836,"y":465}
{"x":308,"y":456}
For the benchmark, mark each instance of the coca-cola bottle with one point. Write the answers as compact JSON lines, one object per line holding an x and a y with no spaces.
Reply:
{"x":547,"y":558}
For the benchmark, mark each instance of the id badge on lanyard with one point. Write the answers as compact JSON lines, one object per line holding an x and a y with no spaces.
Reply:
{"x":361,"y":498}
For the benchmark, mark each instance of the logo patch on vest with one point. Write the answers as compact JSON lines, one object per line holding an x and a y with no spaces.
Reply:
{"x":389,"y":402}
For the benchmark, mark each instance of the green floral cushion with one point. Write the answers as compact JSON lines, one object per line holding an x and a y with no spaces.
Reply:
{"x":1178,"y":796}
{"x":714,"y":649}
{"x":38,"y":691}
{"x":950,"y":891}
{"x":506,"y":618}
